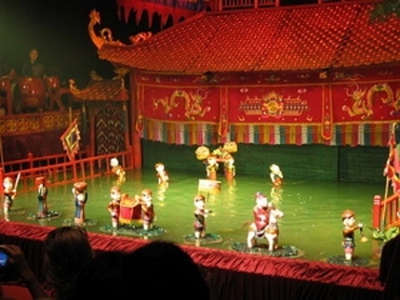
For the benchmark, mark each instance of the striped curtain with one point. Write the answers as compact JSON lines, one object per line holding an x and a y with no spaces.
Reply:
{"x":352,"y":134}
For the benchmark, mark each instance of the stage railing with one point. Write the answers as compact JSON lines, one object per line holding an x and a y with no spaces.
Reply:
{"x":33,"y":162}
{"x":385,"y":211}
{"x":220,"y":5}
{"x":58,"y":170}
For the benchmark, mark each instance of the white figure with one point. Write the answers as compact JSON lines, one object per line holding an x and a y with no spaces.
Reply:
{"x":272,"y":229}
{"x":162,"y":175}
{"x":276,"y":175}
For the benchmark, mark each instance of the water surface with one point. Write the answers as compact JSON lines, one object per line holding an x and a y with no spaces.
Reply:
{"x":312,"y":220}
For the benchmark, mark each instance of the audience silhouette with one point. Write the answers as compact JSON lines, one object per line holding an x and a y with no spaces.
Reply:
{"x":157,"y":270}
{"x":15,"y":270}
{"x":67,"y":250}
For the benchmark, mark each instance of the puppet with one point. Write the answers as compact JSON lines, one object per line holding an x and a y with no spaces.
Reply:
{"x":145,"y":200}
{"x":276,"y":176}
{"x":79,"y":191}
{"x":229,"y":167}
{"x":272,"y":229}
{"x":200,"y":214}
{"x":212,"y":159}
{"x":118,"y":171}
{"x":42,"y":191}
{"x":349,"y":229}
{"x":261,"y":219}
{"x":212,"y":167}
{"x":113,"y":206}
{"x":9,"y":194}
{"x":162,"y":175}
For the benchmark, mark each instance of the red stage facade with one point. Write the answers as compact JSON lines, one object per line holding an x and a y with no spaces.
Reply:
{"x":354,"y":109}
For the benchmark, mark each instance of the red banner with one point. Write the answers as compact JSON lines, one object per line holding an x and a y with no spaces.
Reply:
{"x":338,"y":113}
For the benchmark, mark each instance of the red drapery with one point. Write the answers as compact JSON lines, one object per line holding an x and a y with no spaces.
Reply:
{"x":233,"y":275}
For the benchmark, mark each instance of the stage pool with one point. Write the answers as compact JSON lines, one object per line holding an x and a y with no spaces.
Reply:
{"x":312,"y":220}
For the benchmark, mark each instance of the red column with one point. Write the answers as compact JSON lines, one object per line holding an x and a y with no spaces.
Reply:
{"x":376,"y":214}
{"x":136,"y":118}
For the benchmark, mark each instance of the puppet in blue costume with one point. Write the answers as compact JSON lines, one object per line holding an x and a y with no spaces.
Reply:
{"x":80,"y":197}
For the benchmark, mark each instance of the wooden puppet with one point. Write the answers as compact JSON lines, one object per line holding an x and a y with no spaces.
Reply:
{"x":350,"y":227}
{"x":145,"y":200}
{"x":272,"y":229}
{"x":162,"y":175}
{"x":118,"y":171}
{"x":42,"y":192}
{"x":113,"y":206}
{"x":200,"y":214}
{"x":9,"y":194}
{"x":276,"y":176}
{"x":79,"y":191}
{"x":211,"y":167}
{"x":261,"y":219}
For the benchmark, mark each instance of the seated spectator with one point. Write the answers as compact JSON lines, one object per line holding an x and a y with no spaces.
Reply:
{"x":389,"y":270}
{"x":100,"y":279}
{"x":157,"y":270}
{"x":16,"y":270}
{"x":67,"y":250}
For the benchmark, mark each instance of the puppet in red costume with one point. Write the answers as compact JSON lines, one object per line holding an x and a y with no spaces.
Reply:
{"x":148,"y":214}
{"x":261,"y":218}
{"x":113,"y":206}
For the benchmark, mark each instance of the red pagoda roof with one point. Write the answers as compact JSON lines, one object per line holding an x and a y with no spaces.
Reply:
{"x":102,"y":90}
{"x":297,"y":38}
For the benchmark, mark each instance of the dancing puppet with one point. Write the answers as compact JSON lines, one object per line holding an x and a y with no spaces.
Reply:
{"x":200,"y":214}
{"x":9,"y":193}
{"x":276,"y":175}
{"x":261,"y":219}
{"x":42,"y":191}
{"x":162,"y":175}
{"x":43,"y":211}
{"x":229,"y":167}
{"x":350,"y":227}
{"x":80,"y":197}
{"x":118,"y":171}
{"x":212,"y":160}
{"x":114,"y":206}
{"x":272,"y":229}
{"x":223,"y":154}
{"x":146,"y":203}
{"x":212,"y":167}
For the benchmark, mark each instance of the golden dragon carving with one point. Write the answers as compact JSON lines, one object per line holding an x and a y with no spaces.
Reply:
{"x":105,"y":35}
{"x":192,"y":103}
{"x":363,"y":100}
